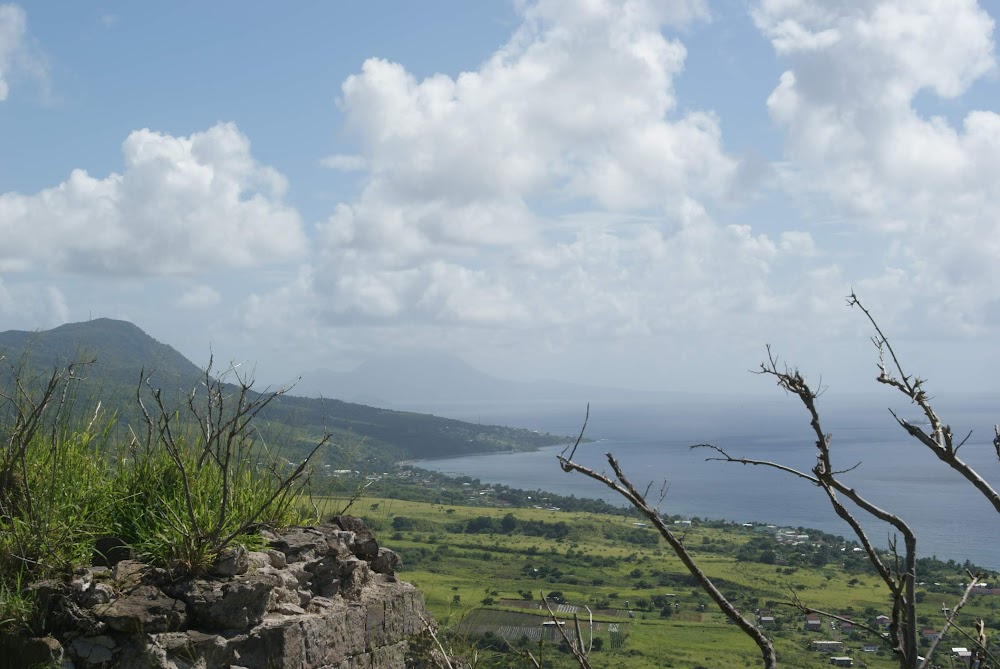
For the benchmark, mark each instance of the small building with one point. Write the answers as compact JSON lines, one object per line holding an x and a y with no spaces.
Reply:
{"x":882,"y":620}
{"x":828,"y":646}
{"x":841,"y":661}
{"x":765,"y":618}
{"x":930,"y":633}
{"x":813,"y":623}
{"x":963,"y":655}
{"x":869,"y":647}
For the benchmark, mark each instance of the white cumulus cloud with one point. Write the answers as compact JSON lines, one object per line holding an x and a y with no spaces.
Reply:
{"x":926,"y":186}
{"x":462,"y":218}
{"x":182,"y":205}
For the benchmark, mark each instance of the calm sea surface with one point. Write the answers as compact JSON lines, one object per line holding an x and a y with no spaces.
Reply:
{"x":951,"y":519}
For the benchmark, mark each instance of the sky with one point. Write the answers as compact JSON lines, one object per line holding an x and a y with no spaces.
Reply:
{"x":632,"y":193}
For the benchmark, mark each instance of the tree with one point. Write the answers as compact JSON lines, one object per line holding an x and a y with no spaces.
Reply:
{"x":898,"y":574}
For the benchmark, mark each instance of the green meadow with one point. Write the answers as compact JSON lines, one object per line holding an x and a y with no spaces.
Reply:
{"x":484,"y":571}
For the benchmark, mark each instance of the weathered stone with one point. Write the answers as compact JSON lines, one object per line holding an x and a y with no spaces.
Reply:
{"x":100,"y":593}
{"x":258,"y":559}
{"x":19,"y":651}
{"x":181,"y":648}
{"x":364,"y":545}
{"x":289,"y":609}
{"x":144,"y":610}
{"x":387,"y":562}
{"x":128,"y":573}
{"x":320,"y":598}
{"x":298,"y":542}
{"x":323,"y":575}
{"x":305,"y":641}
{"x":81,"y":579}
{"x":279,"y":596}
{"x":56,"y":611}
{"x":319,"y":604}
{"x":236,"y":604}
{"x":394,"y":615}
{"x":93,"y":650}
{"x":232,"y":561}
{"x":278,"y":560}
{"x":357,"y":575}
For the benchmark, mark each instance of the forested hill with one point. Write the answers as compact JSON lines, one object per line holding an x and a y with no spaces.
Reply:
{"x":365,"y":437}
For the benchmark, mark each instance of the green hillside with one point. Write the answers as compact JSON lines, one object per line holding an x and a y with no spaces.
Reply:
{"x":365,"y":437}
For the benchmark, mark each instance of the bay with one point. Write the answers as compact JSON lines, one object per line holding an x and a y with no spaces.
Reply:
{"x":951,"y":519}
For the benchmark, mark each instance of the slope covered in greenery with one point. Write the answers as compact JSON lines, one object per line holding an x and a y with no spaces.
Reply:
{"x":364,"y":437}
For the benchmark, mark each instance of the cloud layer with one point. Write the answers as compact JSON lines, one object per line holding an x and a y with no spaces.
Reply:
{"x":565,"y":195}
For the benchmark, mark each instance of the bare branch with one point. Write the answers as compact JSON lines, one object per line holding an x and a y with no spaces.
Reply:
{"x":578,"y":654}
{"x":430,"y":630}
{"x":950,"y":619}
{"x":623,"y":487}
{"x":796,"y":603}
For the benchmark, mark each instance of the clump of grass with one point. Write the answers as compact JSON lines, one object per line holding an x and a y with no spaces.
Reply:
{"x":54,"y":484}
{"x":180,"y":490}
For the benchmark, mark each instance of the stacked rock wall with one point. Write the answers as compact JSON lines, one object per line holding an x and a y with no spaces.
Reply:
{"x":320,"y":597}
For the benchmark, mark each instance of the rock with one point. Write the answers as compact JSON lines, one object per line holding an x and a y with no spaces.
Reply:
{"x":305,"y":641}
{"x":56,"y":610}
{"x":300,"y":542}
{"x":145,"y":610}
{"x":93,"y":650}
{"x":100,"y":593}
{"x":387,"y":562}
{"x":324,"y":575}
{"x":81,"y":579}
{"x":258,"y":559}
{"x":320,"y":597}
{"x":232,"y":561}
{"x":289,"y":609}
{"x":278,"y":560}
{"x":128,"y":573}
{"x":236,"y":604}
{"x":364,"y":545}
{"x":20,"y":651}
{"x":319,"y":604}
{"x":180,"y":647}
{"x":356,"y":576}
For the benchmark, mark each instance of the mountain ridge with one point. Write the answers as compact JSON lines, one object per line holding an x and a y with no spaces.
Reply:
{"x":121,"y":351}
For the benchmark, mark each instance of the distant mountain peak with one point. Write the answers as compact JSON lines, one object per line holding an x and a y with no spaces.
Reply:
{"x":121,"y":349}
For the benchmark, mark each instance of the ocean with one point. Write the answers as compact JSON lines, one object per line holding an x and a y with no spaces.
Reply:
{"x":951,"y":519}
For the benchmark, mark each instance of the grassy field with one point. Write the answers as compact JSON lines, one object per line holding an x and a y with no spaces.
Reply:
{"x":484,"y":583}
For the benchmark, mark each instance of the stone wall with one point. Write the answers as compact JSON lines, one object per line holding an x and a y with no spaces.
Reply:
{"x":319,"y":597}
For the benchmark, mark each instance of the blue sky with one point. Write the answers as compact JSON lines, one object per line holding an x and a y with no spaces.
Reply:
{"x":631,"y":192}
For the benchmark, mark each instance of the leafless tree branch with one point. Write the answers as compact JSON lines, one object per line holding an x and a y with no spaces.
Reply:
{"x":625,"y":488}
